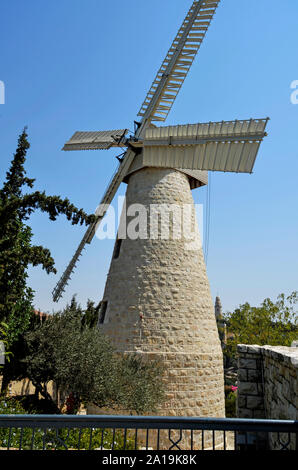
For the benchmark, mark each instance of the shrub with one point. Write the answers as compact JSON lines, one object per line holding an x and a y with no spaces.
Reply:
{"x":230,"y":402}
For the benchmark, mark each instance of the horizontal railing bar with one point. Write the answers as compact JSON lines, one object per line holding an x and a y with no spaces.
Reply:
{"x":146,"y":422}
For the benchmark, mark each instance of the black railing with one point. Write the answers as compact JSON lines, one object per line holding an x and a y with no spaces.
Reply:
{"x":95,"y":432}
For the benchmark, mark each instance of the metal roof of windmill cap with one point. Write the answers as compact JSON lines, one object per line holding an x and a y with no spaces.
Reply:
{"x":197,"y":177}
{"x":98,"y":140}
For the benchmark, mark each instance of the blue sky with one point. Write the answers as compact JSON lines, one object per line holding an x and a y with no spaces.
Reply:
{"x":72,"y":65}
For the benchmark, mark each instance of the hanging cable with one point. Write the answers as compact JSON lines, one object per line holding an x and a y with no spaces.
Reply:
{"x":207,"y":222}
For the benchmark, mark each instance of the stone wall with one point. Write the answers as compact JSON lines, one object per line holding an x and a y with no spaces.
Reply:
{"x":267,"y":383}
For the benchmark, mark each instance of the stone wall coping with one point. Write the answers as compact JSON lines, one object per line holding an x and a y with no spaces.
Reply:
{"x":282,"y":353}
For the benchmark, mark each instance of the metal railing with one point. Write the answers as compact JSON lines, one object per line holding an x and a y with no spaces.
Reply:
{"x":95,"y":432}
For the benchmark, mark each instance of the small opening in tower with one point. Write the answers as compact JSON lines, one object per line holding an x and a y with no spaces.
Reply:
{"x":102,"y":313}
{"x":117,"y":248}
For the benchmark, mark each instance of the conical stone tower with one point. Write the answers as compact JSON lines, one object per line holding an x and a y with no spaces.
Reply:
{"x":157,"y":299}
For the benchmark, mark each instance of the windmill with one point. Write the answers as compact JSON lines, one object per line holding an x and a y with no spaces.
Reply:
{"x":157,"y":299}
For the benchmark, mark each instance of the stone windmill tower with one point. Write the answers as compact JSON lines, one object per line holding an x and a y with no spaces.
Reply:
{"x":157,"y":299}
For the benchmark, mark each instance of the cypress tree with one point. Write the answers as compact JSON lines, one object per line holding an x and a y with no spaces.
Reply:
{"x":17,"y":252}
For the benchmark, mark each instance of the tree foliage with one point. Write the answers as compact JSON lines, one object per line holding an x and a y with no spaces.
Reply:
{"x":272,"y":323}
{"x":17,"y":252}
{"x":82,"y":362}
{"x":16,"y":249}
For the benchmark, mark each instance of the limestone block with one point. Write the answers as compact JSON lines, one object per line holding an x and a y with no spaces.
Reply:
{"x":254,"y":375}
{"x":245,"y":413}
{"x":248,"y":388}
{"x":247,"y":363}
{"x":253,"y":403}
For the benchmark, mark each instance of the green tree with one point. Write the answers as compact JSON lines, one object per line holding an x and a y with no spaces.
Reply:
{"x":17,"y":252}
{"x":81,"y":362}
{"x":272,"y":323}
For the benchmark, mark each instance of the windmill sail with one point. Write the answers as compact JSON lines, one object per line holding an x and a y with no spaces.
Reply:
{"x":90,"y":232}
{"x":215,"y":146}
{"x":175,"y":67}
{"x":100,"y":140}
{"x":156,"y":107}
{"x":63,"y":281}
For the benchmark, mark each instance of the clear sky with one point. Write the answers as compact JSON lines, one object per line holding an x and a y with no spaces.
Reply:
{"x":72,"y":65}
